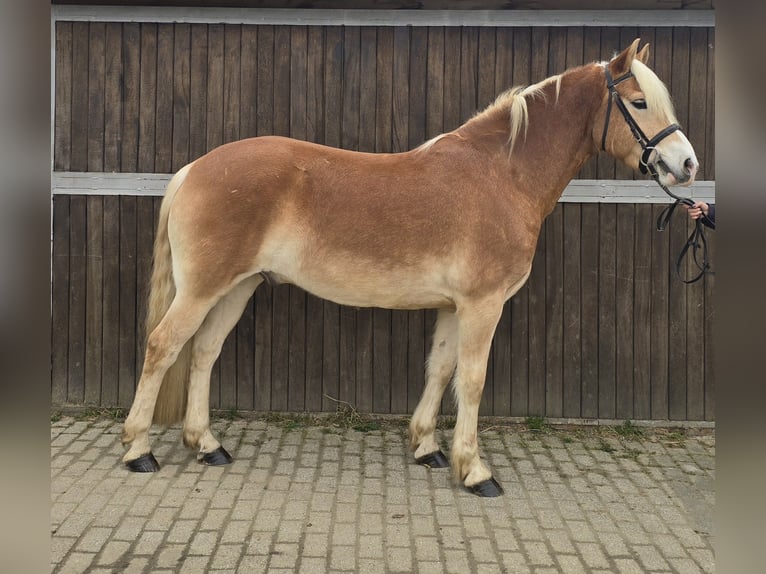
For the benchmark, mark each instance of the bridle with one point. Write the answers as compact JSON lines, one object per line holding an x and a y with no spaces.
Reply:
{"x":696,"y":241}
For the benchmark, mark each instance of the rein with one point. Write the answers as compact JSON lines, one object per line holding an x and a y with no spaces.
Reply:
{"x":696,"y":243}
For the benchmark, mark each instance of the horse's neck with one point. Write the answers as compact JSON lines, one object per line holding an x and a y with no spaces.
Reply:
{"x":558,"y":138}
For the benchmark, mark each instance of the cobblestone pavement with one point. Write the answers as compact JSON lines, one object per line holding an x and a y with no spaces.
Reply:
{"x":312,"y":497}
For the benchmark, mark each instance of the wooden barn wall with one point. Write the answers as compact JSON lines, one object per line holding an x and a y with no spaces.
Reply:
{"x":603,"y":329}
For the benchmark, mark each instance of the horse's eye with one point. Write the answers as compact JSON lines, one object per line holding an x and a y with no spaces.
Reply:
{"x":640,"y":104}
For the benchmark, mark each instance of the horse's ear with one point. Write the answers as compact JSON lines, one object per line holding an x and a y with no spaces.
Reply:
{"x":643,"y":54}
{"x":620,"y":64}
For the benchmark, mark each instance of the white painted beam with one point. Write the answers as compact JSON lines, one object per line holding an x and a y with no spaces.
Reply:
{"x":578,"y":190}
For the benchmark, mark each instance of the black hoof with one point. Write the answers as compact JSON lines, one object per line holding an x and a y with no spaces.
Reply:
{"x":486,"y":489}
{"x":433,"y":460}
{"x":144,"y":463}
{"x":216,"y":458}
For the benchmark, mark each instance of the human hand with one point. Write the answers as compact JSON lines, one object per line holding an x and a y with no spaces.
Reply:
{"x":695,"y":211}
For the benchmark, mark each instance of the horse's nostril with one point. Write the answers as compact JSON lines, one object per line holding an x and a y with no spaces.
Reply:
{"x":690,"y":165}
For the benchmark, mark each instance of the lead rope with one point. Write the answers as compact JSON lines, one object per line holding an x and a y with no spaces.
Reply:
{"x":696,"y":243}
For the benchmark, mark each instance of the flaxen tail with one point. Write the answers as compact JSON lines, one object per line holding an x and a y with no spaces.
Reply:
{"x":171,"y":401}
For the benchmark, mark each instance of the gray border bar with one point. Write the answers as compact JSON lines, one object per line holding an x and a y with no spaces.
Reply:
{"x":326,"y":17}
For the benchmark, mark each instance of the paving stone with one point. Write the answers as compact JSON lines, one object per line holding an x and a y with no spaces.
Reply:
{"x":307,"y":500}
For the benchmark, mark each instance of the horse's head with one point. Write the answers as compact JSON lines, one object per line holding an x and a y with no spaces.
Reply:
{"x":638,"y":122}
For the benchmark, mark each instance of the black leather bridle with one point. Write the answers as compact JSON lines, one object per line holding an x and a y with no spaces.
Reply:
{"x":696,"y":243}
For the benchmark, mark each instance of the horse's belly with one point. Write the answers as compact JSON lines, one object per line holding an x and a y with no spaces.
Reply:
{"x":385,"y":292}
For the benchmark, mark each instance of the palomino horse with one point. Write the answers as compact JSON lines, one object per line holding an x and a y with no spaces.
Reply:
{"x":450,"y":225}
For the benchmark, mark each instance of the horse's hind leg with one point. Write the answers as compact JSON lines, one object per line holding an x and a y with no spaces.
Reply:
{"x":440,"y":366}
{"x":477,"y":324}
{"x":163,"y":345}
{"x":205,"y":350}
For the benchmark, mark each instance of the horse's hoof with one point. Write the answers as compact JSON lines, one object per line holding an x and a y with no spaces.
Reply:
{"x":433,"y":460}
{"x":144,"y":463}
{"x":216,"y":458}
{"x":487,"y":489}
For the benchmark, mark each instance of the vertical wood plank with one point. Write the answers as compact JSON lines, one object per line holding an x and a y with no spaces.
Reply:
{"x":452,"y":49}
{"x":435,"y":90}
{"x":572,"y":327}
{"x":127,"y":316}
{"x":401,"y":70}
{"x":147,"y":126}
{"x":710,"y":337}
{"x":232,"y":80}
{"x":707,"y":169}
{"x":537,"y":322}
{"x":503,"y":59}
{"x":95,"y":94}
{"x":113,"y":97}
{"x":198,"y":58}
{"x":181,"y":130}
{"x":145,"y":208}
{"x":659,"y":350}
{"x":215,"y":86}
{"x":485,"y":88}
{"x":110,"y":312}
{"x":248,"y":116}
{"x":554,"y":312}
{"x":77,"y":296}
{"x":468,"y":72}
{"x":94,"y":213}
{"x":130,"y":83}
{"x":624,"y":311}
{"x":63,"y":94}
{"x":607,"y":325}
{"x":79,"y":127}
{"x":589,"y":279}
{"x":677,"y":317}
{"x":642,"y":313}
{"x":538,"y":69}
{"x":315,"y":102}
{"x":163,"y":152}
{"x":60,"y":300}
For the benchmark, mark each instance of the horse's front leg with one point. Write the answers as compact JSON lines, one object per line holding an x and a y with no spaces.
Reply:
{"x":476,"y":327}
{"x":440,"y":366}
{"x":205,"y":350}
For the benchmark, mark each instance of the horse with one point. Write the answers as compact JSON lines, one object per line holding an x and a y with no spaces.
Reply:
{"x":451,"y":225}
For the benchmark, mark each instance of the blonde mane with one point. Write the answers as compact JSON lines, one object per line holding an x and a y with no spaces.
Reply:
{"x":655,"y":92}
{"x":514,"y":101}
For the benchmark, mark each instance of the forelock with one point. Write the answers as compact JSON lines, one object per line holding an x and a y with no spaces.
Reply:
{"x":655,"y":93}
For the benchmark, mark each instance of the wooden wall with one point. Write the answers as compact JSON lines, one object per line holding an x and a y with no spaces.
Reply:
{"x":602,"y":330}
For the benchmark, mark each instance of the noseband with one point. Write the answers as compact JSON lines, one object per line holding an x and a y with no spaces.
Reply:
{"x":696,"y":243}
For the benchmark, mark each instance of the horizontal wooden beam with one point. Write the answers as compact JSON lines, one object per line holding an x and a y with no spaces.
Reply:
{"x":328,"y":17}
{"x":578,"y":190}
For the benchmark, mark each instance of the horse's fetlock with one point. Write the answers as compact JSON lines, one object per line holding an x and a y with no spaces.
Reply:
{"x":191,"y":438}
